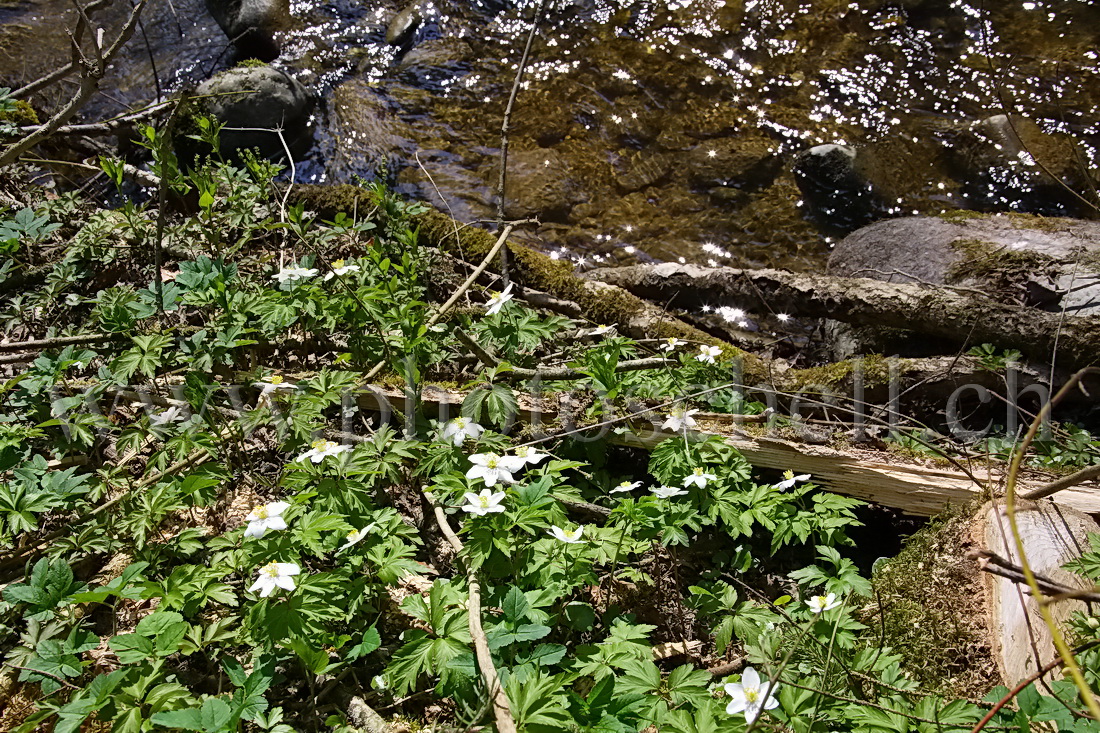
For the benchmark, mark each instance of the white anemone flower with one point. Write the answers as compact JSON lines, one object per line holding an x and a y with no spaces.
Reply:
{"x":322,"y":449}
{"x":269,"y":386}
{"x":699,"y":477}
{"x":356,"y":536}
{"x":530,"y":456}
{"x":601,"y":330}
{"x":569,"y":536}
{"x":626,"y":486}
{"x":294,"y":274}
{"x":749,"y":696}
{"x":456,"y":431}
{"x":275,"y":575}
{"x":340,"y":268}
{"x":484,"y":503}
{"x":708,"y":353}
{"x":679,"y":419}
{"x":172,"y":414}
{"x":497,"y":300}
{"x":667,"y":492}
{"x":821,"y":604}
{"x":789,"y":480}
{"x":670,"y":344}
{"x":265,"y":517}
{"x":493,"y":468}
{"x":782,"y":317}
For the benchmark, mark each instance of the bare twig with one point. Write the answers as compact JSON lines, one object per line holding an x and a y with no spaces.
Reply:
{"x":92,"y":71}
{"x":501,"y":710}
{"x":994,"y":564}
{"x":504,"y":259}
{"x":50,"y":343}
{"x":1066,"y":482}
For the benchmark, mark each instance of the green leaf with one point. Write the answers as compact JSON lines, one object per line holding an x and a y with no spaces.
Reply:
{"x":371,"y":641}
{"x":515,"y":605}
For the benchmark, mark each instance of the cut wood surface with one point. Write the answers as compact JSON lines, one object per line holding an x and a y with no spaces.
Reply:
{"x":935,"y":311}
{"x":1052,"y":535}
{"x":921,"y":489}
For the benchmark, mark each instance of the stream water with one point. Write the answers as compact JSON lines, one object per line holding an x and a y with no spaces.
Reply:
{"x":658,"y":129}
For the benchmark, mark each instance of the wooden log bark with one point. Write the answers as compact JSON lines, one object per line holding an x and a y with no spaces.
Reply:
{"x":933,"y":311}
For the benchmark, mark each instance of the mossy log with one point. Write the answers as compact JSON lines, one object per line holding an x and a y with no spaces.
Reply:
{"x":941,"y":313}
{"x":600,"y":302}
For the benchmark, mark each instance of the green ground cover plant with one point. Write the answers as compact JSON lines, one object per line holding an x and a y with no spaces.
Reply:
{"x":210,"y":523}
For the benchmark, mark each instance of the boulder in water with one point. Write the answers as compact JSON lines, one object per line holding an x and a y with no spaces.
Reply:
{"x":835,"y":186}
{"x":264,"y":99}
{"x":251,"y":24}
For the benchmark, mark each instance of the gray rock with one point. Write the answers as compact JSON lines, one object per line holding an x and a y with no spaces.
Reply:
{"x":1050,"y":263}
{"x":264,"y":98}
{"x":251,"y":24}
{"x":836,"y":188}
{"x":401,"y":29}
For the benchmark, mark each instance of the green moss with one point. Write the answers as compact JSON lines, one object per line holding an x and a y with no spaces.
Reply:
{"x":876,"y":371}
{"x":250,"y":63}
{"x":959,"y":216}
{"x":929,"y":608}
{"x":1034,"y":221}
{"x":21,"y":113}
{"x":985,"y":261}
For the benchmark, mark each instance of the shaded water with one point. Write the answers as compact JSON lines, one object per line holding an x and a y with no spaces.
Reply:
{"x":668,"y":129}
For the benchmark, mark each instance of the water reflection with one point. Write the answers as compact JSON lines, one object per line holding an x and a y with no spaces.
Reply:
{"x":673,"y":129}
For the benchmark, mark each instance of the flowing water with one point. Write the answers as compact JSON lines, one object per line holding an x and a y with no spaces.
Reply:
{"x":665,"y":129}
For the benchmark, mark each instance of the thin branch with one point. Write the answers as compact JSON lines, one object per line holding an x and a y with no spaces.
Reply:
{"x":504,"y":260}
{"x":1066,"y":482}
{"x":52,"y":676}
{"x":994,"y":564}
{"x":50,"y":343}
{"x":501,"y":709}
{"x":92,"y":73}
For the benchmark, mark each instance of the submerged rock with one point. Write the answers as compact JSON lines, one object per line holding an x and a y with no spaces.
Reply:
{"x":251,"y":24}
{"x":835,"y":186}
{"x":540,"y":183}
{"x":264,"y":99}
{"x":401,"y":29}
{"x":1012,"y":164}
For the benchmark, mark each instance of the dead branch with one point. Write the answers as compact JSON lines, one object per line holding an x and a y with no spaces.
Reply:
{"x":92,"y":72}
{"x":994,"y":564}
{"x":936,"y":312}
{"x":1085,"y":474}
{"x":501,"y":710}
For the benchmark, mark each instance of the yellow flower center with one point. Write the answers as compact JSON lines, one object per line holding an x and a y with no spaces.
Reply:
{"x":271,"y":570}
{"x":752,"y":694}
{"x":260,"y":512}
{"x":491,"y":463}
{"x":483,"y":501}
{"x":353,"y":535}
{"x":320,"y":445}
{"x":571,"y":534}
{"x":624,"y":485}
{"x":522,"y":452}
{"x":788,"y":475}
{"x":460,"y":422}
{"x":276,"y":379}
{"x":698,"y":472}
{"x":337,"y":264}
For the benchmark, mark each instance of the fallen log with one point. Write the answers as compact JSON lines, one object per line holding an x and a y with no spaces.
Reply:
{"x":941,"y":313}
{"x":1052,"y":536}
{"x":920,"y":489}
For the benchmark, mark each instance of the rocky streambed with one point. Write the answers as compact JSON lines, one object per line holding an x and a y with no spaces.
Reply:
{"x":742,"y":132}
